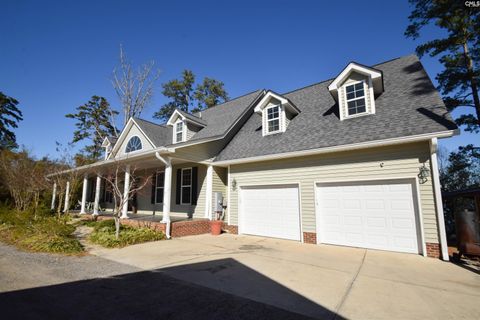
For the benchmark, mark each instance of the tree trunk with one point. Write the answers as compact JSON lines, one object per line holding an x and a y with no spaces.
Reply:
{"x":473,"y":81}
{"x":117,"y":226}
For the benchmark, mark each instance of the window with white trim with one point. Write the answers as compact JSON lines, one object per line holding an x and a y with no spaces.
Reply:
{"x":159,"y":184}
{"x":186,"y":186}
{"x":179,"y":131}
{"x":134,"y":144}
{"x":273,"y":119}
{"x":355,"y":97}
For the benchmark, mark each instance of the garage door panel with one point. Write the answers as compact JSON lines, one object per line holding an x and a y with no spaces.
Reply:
{"x":271,"y":211}
{"x":378,"y":215}
{"x":376,"y":222}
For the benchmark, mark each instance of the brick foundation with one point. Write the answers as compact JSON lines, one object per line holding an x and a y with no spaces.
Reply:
{"x":310,"y":237}
{"x":178,"y":228}
{"x":230,"y":228}
{"x":190,"y":228}
{"x":433,"y":250}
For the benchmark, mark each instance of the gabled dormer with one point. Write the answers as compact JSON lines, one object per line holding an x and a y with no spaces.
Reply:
{"x":184,"y":125}
{"x":276,"y":112}
{"x":355,"y":90}
{"x":108,"y":143}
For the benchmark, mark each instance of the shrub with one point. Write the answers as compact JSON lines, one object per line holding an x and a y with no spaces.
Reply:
{"x":43,"y":233}
{"x":104,"y":235}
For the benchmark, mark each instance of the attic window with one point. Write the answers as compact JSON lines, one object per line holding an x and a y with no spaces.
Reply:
{"x":355,"y":98}
{"x":133,"y":144}
{"x":273,"y":119}
{"x":179,"y":131}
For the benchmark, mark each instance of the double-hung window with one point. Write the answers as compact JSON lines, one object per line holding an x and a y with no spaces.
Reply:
{"x":159,"y":187}
{"x":186,"y":186}
{"x":355,"y":98}
{"x":273,"y":119}
{"x":179,"y":131}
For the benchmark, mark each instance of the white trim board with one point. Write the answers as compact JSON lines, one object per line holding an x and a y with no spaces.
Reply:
{"x":347,"y":147}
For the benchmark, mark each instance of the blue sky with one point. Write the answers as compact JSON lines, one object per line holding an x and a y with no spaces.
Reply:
{"x":56,"y":54}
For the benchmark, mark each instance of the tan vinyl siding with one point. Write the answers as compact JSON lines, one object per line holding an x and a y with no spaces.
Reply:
{"x":200,"y":152}
{"x":398,"y":161}
{"x":191,"y":130}
{"x":219,"y":184}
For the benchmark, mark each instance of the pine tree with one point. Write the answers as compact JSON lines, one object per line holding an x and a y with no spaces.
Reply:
{"x":186,"y":97}
{"x":459,"y":52}
{"x":10,"y":115}
{"x":95,"y":122}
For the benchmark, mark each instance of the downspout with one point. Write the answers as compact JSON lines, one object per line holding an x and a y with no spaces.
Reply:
{"x":166,"y":215}
{"x":438,"y":199}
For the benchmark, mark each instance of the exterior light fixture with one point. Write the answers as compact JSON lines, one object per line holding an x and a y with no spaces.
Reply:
{"x":234,"y":184}
{"x":424,"y":174}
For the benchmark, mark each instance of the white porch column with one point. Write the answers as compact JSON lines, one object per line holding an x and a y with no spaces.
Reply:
{"x":208,"y":198}
{"x":67,"y":197}
{"x":97,"y":195}
{"x":84,"y":194}
{"x":167,"y":192}
{"x":54,"y":194}
{"x":126,"y":191}
{"x":438,"y":199}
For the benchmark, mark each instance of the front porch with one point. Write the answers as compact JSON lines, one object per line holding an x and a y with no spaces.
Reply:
{"x":175,"y":192}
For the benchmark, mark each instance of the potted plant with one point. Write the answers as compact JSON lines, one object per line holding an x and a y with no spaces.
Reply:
{"x":216,"y":224}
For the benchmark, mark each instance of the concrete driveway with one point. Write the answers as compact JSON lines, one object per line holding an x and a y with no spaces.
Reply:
{"x":317,"y":281}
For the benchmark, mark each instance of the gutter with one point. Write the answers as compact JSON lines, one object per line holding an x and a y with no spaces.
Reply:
{"x":134,"y":156}
{"x":347,"y":147}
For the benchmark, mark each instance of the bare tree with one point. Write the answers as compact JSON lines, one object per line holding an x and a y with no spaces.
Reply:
{"x":16,"y":169}
{"x":442,"y":156}
{"x":134,"y":88}
{"x":63,"y":172}
{"x":114,"y":182}
{"x":25,"y":178}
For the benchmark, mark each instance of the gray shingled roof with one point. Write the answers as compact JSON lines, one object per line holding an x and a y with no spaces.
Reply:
{"x":112,"y":140}
{"x":192,"y":117}
{"x":410,"y":105}
{"x":159,"y":134}
{"x":221,"y":117}
{"x":217,"y":121}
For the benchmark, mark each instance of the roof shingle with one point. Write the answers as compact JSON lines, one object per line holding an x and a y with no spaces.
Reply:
{"x":410,"y":105}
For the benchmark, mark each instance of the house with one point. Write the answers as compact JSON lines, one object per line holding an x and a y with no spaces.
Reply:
{"x":348,"y":161}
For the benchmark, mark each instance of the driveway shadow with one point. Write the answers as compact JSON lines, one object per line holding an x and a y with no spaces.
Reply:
{"x":156,"y":295}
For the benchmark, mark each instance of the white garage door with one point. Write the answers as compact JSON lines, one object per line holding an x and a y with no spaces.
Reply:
{"x":271,"y":211}
{"x":377,"y":215}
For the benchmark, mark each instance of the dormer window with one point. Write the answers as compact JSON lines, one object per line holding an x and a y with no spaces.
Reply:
{"x":134,"y":144}
{"x":273,"y":119}
{"x":355,"y":90}
{"x":184,"y":125}
{"x":179,"y":132}
{"x":276,"y":111}
{"x":355,"y":98}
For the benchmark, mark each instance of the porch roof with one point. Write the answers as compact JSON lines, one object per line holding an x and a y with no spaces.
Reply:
{"x":128,"y":159}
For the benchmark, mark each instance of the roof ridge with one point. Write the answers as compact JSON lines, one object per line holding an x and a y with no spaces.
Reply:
{"x":190,"y":114}
{"x":308,"y":86}
{"x":236,"y":98}
{"x":373,"y":65}
{"x":160,"y":125}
